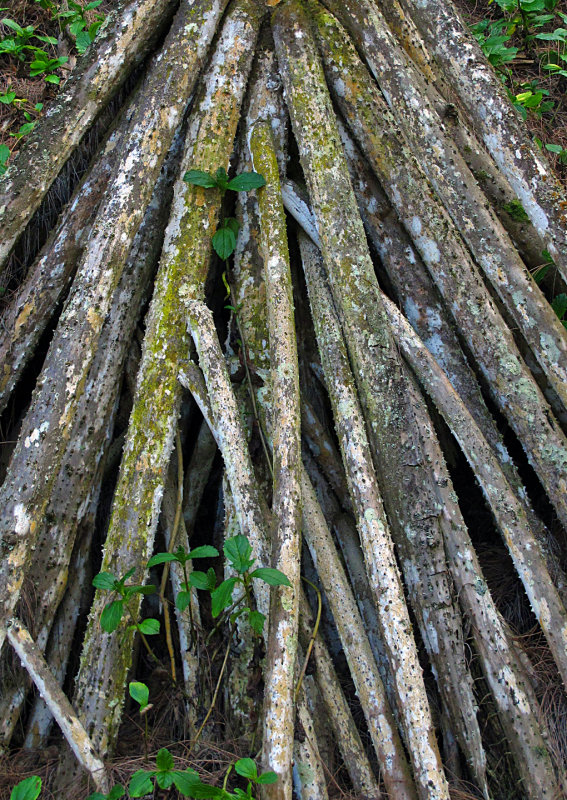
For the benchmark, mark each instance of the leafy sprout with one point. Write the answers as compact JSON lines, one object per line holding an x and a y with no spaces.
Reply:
{"x":224,"y":240}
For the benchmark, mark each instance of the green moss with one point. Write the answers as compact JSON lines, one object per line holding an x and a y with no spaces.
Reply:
{"x":516,"y":210}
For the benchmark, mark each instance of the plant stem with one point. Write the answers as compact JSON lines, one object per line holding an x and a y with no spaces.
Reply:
{"x":217,"y":687}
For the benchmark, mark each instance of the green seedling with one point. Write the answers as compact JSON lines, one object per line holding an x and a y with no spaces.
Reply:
{"x":114,"y":794}
{"x":28,"y":789}
{"x":559,"y":151}
{"x":30,"y":123}
{"x":114,"y":611}
{"x":164,"y":777}
{"x":224,"y":240}
{"x":181,"y":557}
{"x":46,"y":66}
{"x":238,"y":552}
{"x":17,"y":44}
{"x":75,"y":19}
{"x":141,"y":694}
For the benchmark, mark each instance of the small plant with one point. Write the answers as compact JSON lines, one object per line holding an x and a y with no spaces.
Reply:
{"x":164,"y":776}
{"x":46,"y":66}
{"x":559,"y":151}
{"x":238,"y":552}
{"x":516,"y":210}
{"x":141,"y":694}
{"x":29,"y":124}
{"x":28,"y":789}
{"x":531,"y":99}
{"x":114,"y":610}
{"x":224,"y":240}
{"x":75,"y":19}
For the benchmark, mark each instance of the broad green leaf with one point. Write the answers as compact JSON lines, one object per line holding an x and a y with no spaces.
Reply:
{"x":28,"y":789}
{"x":149,"y":627}
{"x":184,"y":780}
{"x":141,"y":783}
{"x":233,"y":224}
{"x":199,"y":580}
{"x":53,"y":79}
{"x":111,"y":616}
{"x":205,"y":551}
{"x":200,"y":791}
{"x":238,"y":551}
{"x":256,"y":620}
{"x":139,"y":692}
{"x":267,"y":777}
{"x":247,"y":768}
{"x":76,"y":27}
{"x":246,"y":181}
{"x":9,"y":23}
{"x":104,"y":580}
{"x":164,"y":779}
{"x":224,"y":242}
{"x":221,"y":179}
{"x":199,"y":178}
{"x":272,"y":576}
{"x":164,"y":760}
{"x":161,"y":558}
{"x":82,"y":41}
{"x":221,"y":598}
{"x":182,"y":601}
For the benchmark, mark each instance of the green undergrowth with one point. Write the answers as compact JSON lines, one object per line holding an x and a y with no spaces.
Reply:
{"x":526,"y":43}
{"x":38,"y":44}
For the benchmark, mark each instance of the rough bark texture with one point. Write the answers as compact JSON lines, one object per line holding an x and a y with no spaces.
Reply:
{"x":292,"y":353}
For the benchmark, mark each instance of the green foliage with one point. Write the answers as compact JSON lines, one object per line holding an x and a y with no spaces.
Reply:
{"x":164,"y":776}
{"x":81,"y":30}
{"x":239,"y":554}
{"x":28,"y":789}
{"x":224,"y":240}
{"x":113,"y":611}
{"x":188,"y":783}
{"x":535,"y":27}
{"x":559,"y":151}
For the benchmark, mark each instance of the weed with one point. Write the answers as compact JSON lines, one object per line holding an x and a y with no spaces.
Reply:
{"x":224,"y":240}
{"x":82,"y":31}
{"x":28,"y":789}
{"x":188,"y":783}
{"x":113,"y":611}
